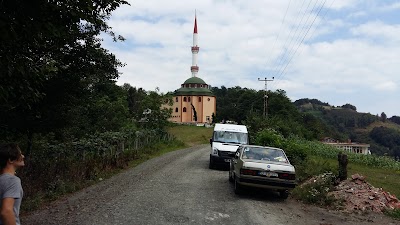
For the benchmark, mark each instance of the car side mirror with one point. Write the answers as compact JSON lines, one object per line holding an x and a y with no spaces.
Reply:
{"x":210,"y":141}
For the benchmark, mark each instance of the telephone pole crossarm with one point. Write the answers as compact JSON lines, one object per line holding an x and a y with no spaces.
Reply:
{"x":266,"y":95}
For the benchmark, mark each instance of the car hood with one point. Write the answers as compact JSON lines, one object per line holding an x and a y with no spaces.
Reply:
{"x":268,"y":166}
{"x":229,"y":147}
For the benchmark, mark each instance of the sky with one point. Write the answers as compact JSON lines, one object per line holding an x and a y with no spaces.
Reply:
{"x":336,"y":51}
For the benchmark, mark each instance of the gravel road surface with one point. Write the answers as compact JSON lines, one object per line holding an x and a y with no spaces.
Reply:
{"x":178,"y":188}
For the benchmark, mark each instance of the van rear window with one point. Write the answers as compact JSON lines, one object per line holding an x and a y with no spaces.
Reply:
{"x":230,"y":137}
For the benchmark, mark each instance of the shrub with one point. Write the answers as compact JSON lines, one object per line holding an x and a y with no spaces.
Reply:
{"x":316,"y":191}
{"x":270,"y":137}
{"x":313,"y":167}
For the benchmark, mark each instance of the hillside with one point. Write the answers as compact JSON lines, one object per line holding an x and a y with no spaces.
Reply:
{"x":378,"y":131}
{"x":306,"y":118}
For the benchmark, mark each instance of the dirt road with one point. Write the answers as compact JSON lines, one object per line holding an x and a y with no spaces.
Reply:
{"x":178,"y":188}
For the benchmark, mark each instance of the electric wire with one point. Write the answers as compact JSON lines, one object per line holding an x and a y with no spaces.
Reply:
{"x":281,"y":75}
{"x":290,"y":36}
{"x":277,"y":36}
{"x":299,"y":39}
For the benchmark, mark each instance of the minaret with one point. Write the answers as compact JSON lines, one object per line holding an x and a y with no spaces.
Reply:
{"x":195,"y":49}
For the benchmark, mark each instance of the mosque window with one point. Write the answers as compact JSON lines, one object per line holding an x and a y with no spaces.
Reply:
{"x":176,"y":99}
{"x":188,"y":99}
{"x":176,"y":109}
{"x":184,"y":109}
{"x":199,"y":99}
{"x":208,"y":99}
{"x":184,"y":99}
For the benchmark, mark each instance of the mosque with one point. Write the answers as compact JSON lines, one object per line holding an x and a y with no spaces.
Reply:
{"x":194,"y":101}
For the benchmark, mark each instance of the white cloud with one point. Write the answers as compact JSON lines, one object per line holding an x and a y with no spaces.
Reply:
{"x":386,"y":86}
{"x":390,"y":7}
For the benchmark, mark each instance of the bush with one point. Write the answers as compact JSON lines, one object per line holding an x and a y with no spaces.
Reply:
{"x":316,"y":191}
{"x":295,"y":150}
{"x":313,"y":167}
{"x":269,"y":137}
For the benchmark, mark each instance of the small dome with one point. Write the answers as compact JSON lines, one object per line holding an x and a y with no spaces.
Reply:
{"x":194,"y":80}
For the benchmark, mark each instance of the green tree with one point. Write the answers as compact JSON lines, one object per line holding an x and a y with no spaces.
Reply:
{"x":349,"y":106}
{"x":383,"y":117}
{"x":51,"y":59}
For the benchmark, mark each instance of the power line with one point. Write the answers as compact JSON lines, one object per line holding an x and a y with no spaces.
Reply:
{"x":281,"y":74}
{"x":297,"y":39}
{"x":281,"y":58}
{"x":277,"y":36}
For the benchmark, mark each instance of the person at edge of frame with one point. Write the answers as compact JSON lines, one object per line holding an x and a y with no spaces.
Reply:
{"x":11,"y":193}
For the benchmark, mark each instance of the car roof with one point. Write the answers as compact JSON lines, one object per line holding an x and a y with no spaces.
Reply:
{"x":260,"y":146}
{"x":230,"y":127}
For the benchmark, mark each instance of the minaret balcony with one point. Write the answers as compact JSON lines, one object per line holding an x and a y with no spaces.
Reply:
{"x":194,"y":68}
{"x":195,"y":49}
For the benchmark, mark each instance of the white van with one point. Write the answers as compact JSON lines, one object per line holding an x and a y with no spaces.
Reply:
{"x":225,"y":141}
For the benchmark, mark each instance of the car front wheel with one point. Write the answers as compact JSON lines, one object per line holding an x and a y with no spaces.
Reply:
{"x":238,"y":188}
{"x":211,"y":164}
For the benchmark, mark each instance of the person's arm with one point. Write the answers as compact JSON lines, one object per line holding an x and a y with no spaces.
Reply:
{"x":7,"y":211}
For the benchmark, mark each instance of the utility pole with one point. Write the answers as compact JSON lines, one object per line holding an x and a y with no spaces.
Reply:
{"x":266,"y":96}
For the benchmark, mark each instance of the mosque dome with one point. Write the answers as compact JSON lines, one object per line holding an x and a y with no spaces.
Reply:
{"x":194,"y":86}
{"x":194,"y":80}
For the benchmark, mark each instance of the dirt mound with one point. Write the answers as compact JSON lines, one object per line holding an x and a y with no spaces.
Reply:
{"x":359,"y":195}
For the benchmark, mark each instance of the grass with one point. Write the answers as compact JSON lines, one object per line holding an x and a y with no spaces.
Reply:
{"x":191,"y":135}
{"x":387,"y":124}
{"x":387,"y":179}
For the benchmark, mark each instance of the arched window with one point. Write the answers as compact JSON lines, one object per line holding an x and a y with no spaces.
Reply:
{"x":176,"y":109}
{"x":199,"y":99}
{"x":184,"y":109}
{"x":176,"y":99}
{"x":184,"y":99}
{"x":188,"y":99}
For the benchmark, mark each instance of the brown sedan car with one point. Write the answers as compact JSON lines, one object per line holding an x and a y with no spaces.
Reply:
{"x":262,"y":167}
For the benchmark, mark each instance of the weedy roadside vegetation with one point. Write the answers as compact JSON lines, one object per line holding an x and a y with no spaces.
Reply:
{"x":395,"y":213}
{"x":312,"y":158}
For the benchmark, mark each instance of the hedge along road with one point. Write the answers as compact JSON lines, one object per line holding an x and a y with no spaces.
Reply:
{"x":178,"y":188}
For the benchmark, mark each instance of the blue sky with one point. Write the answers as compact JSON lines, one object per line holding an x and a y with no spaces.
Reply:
{"x":337,"y":51}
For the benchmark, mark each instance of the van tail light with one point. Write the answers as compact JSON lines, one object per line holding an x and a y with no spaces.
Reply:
{"x":287,"y":176}
{"x":248,"y":172}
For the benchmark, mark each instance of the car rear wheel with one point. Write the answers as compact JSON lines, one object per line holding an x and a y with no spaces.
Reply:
{"x":284,"y":194}
{"x":238,"y":188}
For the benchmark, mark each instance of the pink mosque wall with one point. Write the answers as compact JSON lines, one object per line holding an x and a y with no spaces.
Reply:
{"x":204,"y":108}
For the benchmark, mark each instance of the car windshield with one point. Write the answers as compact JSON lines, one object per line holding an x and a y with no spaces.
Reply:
{"x":267,"y":154}
{"x":230,"y":137}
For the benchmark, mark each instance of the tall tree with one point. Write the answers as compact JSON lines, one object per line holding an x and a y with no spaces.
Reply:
{"x":50,"y":60}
